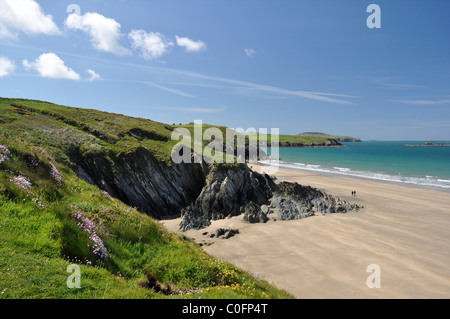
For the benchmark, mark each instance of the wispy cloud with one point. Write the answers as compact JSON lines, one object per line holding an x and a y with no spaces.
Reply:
{"x":249,"y":52}
{"x":93,"y":75}
{"x":422,"y":102}
{"x":335,"y":94}
{"x":266,"y":88}
{"x":151,"y":45}
{"x":190,"y":45}
{"x":319,"y":96}
{"x":164,"y":88}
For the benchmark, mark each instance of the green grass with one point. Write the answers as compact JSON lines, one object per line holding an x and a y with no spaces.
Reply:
{"x":41,"y":236}
{"x":301,"y":139}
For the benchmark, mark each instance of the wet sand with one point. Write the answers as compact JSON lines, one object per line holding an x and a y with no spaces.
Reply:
{"x":404,"y":230}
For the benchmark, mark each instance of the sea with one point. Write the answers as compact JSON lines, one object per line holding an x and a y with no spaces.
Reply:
{"x":391,"y":161}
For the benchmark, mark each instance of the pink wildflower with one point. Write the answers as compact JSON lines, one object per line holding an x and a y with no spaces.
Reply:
{"x":55,"y":174}
{"x":88,"y":226}
{"x":4,"y":152}
{"x":22,"y":182}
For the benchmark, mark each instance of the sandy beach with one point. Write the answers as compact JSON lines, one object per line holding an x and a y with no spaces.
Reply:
{"x":404,"y":230}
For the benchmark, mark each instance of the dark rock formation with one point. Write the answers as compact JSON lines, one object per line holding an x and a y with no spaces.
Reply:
{"x":254,"y":214}
{"x":224,"y":233}
{"x":235,"y":191}
{"x":227,"y":193}
{"x":140,"y":181}
{"x":294,"y":201}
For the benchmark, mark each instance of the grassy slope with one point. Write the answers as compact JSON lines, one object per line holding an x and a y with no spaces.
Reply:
{"x":336,"y":137}
{"x":41,"y":237}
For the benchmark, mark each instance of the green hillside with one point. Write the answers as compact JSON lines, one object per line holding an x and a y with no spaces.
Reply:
{"x":306,"y":139}
{"x":336,"y":137}
{"x":50,"y":218}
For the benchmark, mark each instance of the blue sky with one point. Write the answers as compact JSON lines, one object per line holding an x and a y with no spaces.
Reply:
{"x":288,"y":64}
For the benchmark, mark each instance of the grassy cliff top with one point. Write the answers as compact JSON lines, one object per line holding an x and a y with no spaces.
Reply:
{"x":307,"y":138}
{"x":50,"y":219}
{"x":330,"y":136}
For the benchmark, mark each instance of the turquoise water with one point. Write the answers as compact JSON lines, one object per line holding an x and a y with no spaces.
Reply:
{"x":427,"y":166}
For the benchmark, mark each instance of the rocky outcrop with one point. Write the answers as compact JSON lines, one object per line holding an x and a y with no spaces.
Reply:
{"x":227,"y":192}
{"x":140,"y":181}
{"x":238,"y":191}
{"x":254,"y":213}
{"x":294,"y":201}
{"x":224,"y":233}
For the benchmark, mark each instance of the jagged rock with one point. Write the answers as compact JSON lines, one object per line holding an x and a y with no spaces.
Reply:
{"x":253,"y":214}
{"x":224,"y":233}
{"x":294,"y":201}
{"x":140,"y":181}
{"x":230,"y":233}
{"x":289,"y":209}
{"x":240,"y":190}
{"x":227,"y":190}
{"x":193,"y":221}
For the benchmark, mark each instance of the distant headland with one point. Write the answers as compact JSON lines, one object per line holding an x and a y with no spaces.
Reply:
{"x":313,"y":139}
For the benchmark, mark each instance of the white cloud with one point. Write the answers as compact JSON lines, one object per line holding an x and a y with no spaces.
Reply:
{"x":104,"y":32}
{"x":24,"y":16}
{"x":190,"y":45}
{"x":249,"y":52}
{"x":93,"y":75}
{"x":151,"y":45}
{"x":6,"y":66}
{"x":49,"y":65}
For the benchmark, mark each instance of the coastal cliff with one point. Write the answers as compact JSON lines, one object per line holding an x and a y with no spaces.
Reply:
{"x":66,"y":177}
{"x":139,"y":181}
{"x":129,"y":158}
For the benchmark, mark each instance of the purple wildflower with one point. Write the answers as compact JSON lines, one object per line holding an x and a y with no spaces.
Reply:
{"x":4,"y":152}
{"x":55,"y":174}
{"x":22,"y":182}
{"x":88,"y":226}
